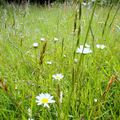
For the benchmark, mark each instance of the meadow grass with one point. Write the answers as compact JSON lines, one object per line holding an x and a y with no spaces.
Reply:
{"x":91,"y":84}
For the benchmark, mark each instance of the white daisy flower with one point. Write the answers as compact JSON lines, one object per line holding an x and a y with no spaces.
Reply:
{"x":55,"y":39}
{"x":43,"y":39}
{"x":100,"y":46}
{"x":45,"y":99}
{"x":57,"y":76}
{"x":49,"y":62}
{"x":84,"y":50}
{"x":35,"y":45}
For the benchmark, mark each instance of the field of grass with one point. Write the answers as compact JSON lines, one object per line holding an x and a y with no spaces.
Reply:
{"x":90,"y":86}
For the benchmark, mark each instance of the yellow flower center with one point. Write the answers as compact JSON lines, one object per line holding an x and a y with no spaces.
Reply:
{"x":44,"y":100}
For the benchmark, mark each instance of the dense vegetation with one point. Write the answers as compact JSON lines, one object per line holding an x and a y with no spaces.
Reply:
{"x":59,"y":62}
{"x":50,"y":1}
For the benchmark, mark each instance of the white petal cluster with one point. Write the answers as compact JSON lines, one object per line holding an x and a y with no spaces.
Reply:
{"x":84,"y":4}
{"x":49,"y":62}
{"x":84,"y":50}
{"x":35,"y":45}
{"x":57,"y":76}
{"x":55,"y":39}
{"x":42,"y":39}
{"x":100,"y":46}
{"x":95,"y":100}
{"x":75,"y":60}
{"x":45,"y":99}
{"x":64,"y":56}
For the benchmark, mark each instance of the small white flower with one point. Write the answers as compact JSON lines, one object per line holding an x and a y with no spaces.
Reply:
{"x":55,"y":39}
{"x":84,"y":3}
{"x":95,"y":100}
{"x":57,"y":76}
{"x":45,"y":99}
{"x":49,"y":62}
{"x":64,"y":56}
{"x":100,"y":46}
{"x":75,"y":60}
{"x":84,"y":50}
{"x":43,"y":39}
{"x":16,"y":87}
{"x":35,"y":45}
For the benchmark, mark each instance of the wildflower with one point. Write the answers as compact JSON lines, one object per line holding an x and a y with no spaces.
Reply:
{"x":35,"y":45}
{"x":16,"y":87}
{"x":100,"y":46}
{"x":44,"y":99}
{"x":84,"y":3}
{"x":64,"y":56}
{"x":55,"y":39}
{"x":84,"y":50}
{"x":49,"y":62}
{"x":75,"y":60}
{"x":42,"y":39}
{"x":95,"y":100}
{"x":57,"y":76}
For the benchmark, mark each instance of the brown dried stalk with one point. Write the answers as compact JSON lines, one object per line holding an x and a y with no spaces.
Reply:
{"x":111,"y":81}
{"x":42,"y":54}
{"x":3,"y":85}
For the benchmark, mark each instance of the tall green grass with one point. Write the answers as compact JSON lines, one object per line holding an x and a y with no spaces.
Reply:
{"x":90,"y":90}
